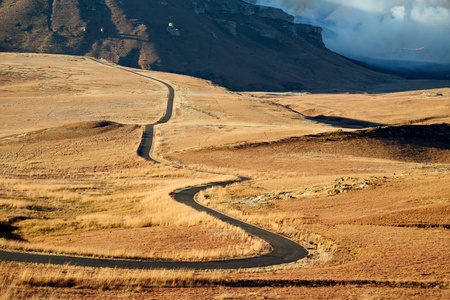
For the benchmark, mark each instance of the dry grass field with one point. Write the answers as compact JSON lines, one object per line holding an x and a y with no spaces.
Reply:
{"x":370,"y":204}
{"x":80,"y":188}
{"x":43,"y":91}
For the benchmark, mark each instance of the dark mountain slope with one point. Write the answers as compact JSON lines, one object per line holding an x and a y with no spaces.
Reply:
{"x":235,"y":44}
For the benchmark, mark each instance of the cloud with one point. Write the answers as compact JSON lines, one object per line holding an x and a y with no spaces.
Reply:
{"x":398,"y":12}
{"x":408,"y":30}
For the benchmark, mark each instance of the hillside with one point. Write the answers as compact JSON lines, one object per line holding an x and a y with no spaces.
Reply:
{"x":235,"y":44}
{"x":339,"y":153}
{"x":410,"y":143}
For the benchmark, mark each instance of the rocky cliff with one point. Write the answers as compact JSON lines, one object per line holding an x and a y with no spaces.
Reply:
{"x":233,"y":43}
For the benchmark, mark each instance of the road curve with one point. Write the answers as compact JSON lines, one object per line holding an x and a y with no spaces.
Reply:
{"x":283,"y":249}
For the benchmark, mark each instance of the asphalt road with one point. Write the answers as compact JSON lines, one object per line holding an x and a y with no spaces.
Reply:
{"x":283,"y":249}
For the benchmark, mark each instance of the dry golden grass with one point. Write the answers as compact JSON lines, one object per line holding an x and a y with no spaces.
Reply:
{"x":83,"y":202}
{"x":61,"y":186}
{"x":417,"y":104}
{"x":300,"y":185}
{"x":393,"y":229}
{"x":18,"y":281}
{"x":211,"y":116}
{"x":16,"y":277}
{"x":43,"y":91}
{"x":372,"y":219}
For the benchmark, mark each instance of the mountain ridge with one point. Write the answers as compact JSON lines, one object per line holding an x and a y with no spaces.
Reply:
{"x":235,"y":44}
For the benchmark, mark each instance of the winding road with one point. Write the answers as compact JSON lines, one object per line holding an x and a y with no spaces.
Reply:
{"x":283,"y":249}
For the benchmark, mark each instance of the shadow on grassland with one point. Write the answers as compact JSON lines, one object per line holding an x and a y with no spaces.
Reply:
{"x":7,"y":231}
{"x":343,"y":122}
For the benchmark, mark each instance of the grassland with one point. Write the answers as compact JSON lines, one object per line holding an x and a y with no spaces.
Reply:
{"x":80,"y":188}
{"x":371,"y":205}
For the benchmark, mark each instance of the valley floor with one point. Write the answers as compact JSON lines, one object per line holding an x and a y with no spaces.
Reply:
{"x":361,"y":180}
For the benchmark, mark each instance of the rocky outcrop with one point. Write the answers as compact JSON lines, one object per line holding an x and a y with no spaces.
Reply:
{"x":229,"y":26}
{"x":228,"y":10}
{"x":270,"y":34}
{"x":273,"y":13}
{"x":239,"y":7}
